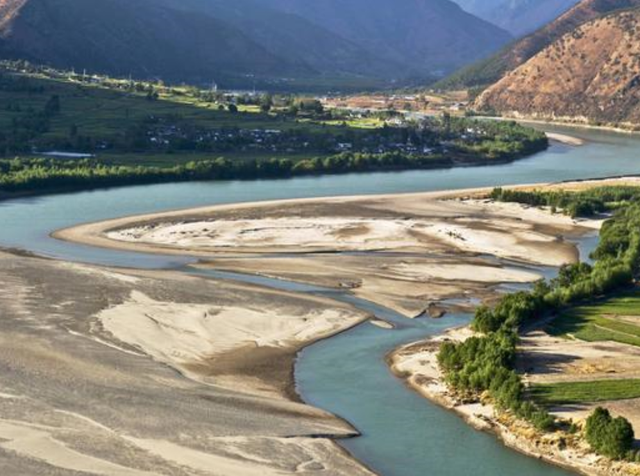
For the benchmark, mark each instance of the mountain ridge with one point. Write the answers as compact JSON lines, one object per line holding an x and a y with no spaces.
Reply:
{"x":520,"y":17}
{"x":201,"y":40}
{"x":396,"y":29}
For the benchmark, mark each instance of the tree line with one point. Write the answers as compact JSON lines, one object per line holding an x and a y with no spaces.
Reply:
{"x":575,"y":204}
{"x":42,"y":174}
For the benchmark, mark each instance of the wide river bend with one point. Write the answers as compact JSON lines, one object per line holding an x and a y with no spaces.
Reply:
{"x":403,"y":434}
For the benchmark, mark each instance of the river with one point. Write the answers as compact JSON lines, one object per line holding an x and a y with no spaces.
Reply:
{"x":403,"y":434}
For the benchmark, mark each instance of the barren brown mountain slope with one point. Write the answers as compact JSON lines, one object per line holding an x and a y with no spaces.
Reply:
{"x":589,"y":75}
{"x":497,"y":66}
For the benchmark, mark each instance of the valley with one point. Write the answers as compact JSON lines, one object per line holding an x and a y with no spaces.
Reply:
{"x":339,"y":237}
{"x":139,"y":132}
{"x":50,"y":213}
{"x":274,"y":43}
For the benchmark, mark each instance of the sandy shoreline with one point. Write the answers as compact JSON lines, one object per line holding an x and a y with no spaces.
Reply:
{"x":417,"y":365}
{"x":94,"y":234}
{"x":404,"y":252}
{"x":565,"y":139}
{"x":567,"y":122}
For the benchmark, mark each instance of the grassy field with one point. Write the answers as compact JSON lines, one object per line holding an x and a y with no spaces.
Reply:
{"x":103,"y":113}
{"x":617,"y":319}
{"x":99,"y":111}
{"x":585,"y":392}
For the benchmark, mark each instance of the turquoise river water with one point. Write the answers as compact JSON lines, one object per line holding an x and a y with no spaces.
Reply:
{"x":402,"y":433}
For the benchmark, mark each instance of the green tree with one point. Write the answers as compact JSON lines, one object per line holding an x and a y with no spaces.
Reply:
{"x":608,"y":436}
{"x":266,"y":103}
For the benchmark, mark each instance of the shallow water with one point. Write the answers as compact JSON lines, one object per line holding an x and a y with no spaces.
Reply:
{"x":403,"y":434}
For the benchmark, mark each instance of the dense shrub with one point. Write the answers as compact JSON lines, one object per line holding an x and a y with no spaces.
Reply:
{"x":608,"y":436}
{"x":575,"y":204}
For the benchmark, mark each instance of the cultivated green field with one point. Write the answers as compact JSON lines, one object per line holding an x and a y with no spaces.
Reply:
{"x":102,"y":113}
{"x":585,"y":392}
{"x":617,"y":319}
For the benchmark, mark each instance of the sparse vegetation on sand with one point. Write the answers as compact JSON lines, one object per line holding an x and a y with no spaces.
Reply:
{"x":576,"y":204}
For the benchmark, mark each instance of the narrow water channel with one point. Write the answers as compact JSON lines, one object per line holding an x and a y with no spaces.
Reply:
{"x":348,"y":375}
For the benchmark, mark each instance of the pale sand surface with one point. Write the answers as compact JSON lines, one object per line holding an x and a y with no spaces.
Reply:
{"x":138,"y":373}
{"x":420,"y":248}
{"x":407,"y":284}
{"x":334,"y":214}
{"x":565,"y":139}
{"x":188,"y":336}
{"x":400,"y":251}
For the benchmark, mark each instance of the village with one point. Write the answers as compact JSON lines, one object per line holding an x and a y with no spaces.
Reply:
{"x":415,"y":137}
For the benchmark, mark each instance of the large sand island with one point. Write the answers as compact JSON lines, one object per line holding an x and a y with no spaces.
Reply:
{"x":406,"y":252}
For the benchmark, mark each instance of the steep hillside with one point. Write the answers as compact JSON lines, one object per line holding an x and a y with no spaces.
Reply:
{"x":519,"y":17}
{"x":292,"y":37}
{"x":424,"y":35}
{"x":589,"y":75}
{"x":495,"y":67}
{"x":133,"y":37}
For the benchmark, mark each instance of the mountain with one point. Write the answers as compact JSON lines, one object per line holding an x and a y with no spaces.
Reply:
{"x":292,"y":37}
{"x":234,"y":40}
{"x":425,"y":36}
{"x":133,"y":37}
{"x":492,"y":69}
{"x":591,"y":74}
{"x":519,"y":17}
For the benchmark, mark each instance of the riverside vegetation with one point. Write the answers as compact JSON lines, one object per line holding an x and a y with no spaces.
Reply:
{"x":140,"y":132}
{"x":486,"y":363}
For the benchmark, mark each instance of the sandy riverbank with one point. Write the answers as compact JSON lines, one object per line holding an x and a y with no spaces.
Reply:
{"x":157,"y":373}
{"x":565,"y":139}
{"x":574,"y":123}
{"x":417,"y":364}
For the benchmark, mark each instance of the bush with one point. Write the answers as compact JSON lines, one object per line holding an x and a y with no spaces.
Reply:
{"x":608,"y":436}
